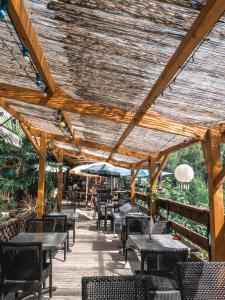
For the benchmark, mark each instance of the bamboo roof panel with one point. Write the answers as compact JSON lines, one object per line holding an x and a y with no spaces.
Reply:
{"x":151,"y":140}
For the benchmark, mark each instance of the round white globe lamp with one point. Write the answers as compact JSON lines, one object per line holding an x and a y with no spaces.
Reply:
{"x":184,"y":174}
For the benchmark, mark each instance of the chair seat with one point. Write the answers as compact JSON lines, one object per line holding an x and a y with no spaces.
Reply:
{"x":161,"y":280}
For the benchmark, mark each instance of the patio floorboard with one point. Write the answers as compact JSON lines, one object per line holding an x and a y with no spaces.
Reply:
{"x":94,"y":253}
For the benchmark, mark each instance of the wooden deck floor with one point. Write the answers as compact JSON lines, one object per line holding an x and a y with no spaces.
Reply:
{"x":94,"y":253}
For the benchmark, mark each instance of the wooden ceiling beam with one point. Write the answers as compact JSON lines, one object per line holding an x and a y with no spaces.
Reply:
{"x":178,"y":147}
{"x":90,"y":145}
{"x":95,"y":158}
{"x":205,"y":21}
{"x":61,"y":100}
{"x":20,"y":19}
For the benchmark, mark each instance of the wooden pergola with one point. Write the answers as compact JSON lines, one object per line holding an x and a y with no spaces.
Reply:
{"x":98,"y":63}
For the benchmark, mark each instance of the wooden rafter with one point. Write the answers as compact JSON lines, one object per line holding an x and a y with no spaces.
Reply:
{"x":90,"y":145}
{"x":30,"y":138}
{"x":205,"y":21}
{"x":94,"y":157}
{"x":61,"y":100}
{"x":24,"y":28}
{"x":160,"y":168}
{"x":33,"y":131}
{"x":178,"y":147}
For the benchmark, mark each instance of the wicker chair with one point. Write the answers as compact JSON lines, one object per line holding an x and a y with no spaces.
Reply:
{"x":161,"y":227}
{"x":114,"y":287}
{"x":101,"y":216}
{"x":39,"y":225}
{"x":166,"y":260}
{"x":199,"y":280}
{"x":129,"y":287}
{"x":60,"y":226}
{"x":133,"y":225}
{"x":23,"y":268}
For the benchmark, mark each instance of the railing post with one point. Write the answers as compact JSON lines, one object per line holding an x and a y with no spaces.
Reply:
{"x":211,"y":150}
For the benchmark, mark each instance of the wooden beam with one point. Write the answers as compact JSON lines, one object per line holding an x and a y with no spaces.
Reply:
{"x":220,"y":178}
{"x":160,"y":168}
{"x":19,"y":16}
{"x":76,"y":140}
{"x":152,"y":184}
{"x":90,"y":145}
{"x":205,"y":21}
{"x":60,"y":181}
{"x":95,"y":158}
{"x":178,"y":147}
{"x":216,"y":203}
{"x":132,"y":187}
{"x":41,"y":178}
{"x":61,"y":100}
{"x":30,"y":138}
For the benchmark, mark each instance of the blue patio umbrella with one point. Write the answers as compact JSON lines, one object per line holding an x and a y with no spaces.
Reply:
{"x":103,"y":169}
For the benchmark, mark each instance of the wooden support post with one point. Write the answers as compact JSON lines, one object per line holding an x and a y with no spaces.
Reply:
{"x":211,"y":149}
{"x":132,"y":187}
{"x":60,"y":181}
{"x":41,"y":177}
{"x":152,"y":173}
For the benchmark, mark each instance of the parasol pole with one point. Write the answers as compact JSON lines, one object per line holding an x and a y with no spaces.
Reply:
{"x":86,"y":191}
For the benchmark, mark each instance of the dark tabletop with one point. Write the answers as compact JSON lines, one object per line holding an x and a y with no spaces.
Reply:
{"x":70,"y":215}
{"x":50,"y":240}
{"x":159,"y":243}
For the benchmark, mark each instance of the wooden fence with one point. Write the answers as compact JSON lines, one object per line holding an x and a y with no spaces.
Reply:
{"x":197,"y":214}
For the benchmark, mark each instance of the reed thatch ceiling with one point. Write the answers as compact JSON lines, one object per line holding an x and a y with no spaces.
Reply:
{"x":112,"y":52}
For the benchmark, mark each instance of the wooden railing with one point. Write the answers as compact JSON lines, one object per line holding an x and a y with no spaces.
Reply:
{"x":199,"y":215}
{"x":12,"y":227}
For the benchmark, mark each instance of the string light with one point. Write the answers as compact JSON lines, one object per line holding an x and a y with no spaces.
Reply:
{"x":3,"y":9}
{"x":25,"y":52}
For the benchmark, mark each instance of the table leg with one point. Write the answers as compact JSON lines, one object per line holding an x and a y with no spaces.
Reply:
{"x":65,"y":248}
{"x":142,"y":261}
{"x":50,"y":275}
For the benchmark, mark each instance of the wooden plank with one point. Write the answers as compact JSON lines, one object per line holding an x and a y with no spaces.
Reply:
{"x":205,"y":21}
{"x":216,"y":203}
{"x":75,"y":140}
{"x":24,"y":28}
{"x":60,"y":182}
{"x":220,"y":178}
{"x":30,"y":138}
{"x":160,"y":168}
{"x":188,"y":211}
{"x":178,"y":147}
{"x":90,"y":145}
{"x":61,"y":100}
{"x":152,"y":183}
{"x":96,"y":158}
{"x":191,"y":235}
{"x":41,"y":178}
{"x":132,"y":187}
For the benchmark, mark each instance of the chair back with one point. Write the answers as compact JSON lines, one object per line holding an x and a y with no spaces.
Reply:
{"x":114,"y":287}
{"x":202,"y":280}
{"x":167,"y":260}
{"x":60,"y":222}
{"x":21,"y":261}
{"x":38,"y":225}
{"x":136,"y":225}
{"x":161,"y":227}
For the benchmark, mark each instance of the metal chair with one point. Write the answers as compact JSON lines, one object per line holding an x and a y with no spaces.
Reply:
{"x":60,"y":226}
{"x":202,"y":280}
{"x":23,"y":268}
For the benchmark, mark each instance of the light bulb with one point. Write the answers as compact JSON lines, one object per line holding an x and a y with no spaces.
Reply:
{"x":3,"y":9}
{"x":38,"y":80}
